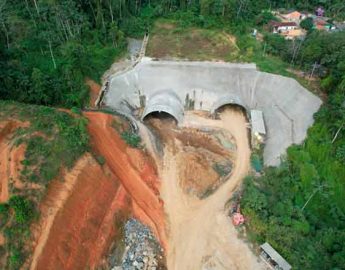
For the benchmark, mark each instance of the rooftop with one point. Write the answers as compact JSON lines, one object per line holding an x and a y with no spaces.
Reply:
{"x":293,"y":15}
{"x":275,"y":256}
{"x":277,"y":24}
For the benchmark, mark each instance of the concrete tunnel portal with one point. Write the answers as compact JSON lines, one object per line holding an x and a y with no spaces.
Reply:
{"x":165,"y":101}
{"x":287,"y":106}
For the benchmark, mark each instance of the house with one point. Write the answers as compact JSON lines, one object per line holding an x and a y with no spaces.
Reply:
{"x":322,"y":24}
{"x":339,"y":26}
{"x":294,"y":34}
{"x":280,"y":27}
{"x":294,"y":16}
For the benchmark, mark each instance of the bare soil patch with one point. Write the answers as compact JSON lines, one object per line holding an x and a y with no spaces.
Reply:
{"x":82,"y":217}
{"x":95,"y":88}
{"x":2,"y":239}
{"x":201,"y":235}
{"x":76,"y":220}
{"x":203,"y":162}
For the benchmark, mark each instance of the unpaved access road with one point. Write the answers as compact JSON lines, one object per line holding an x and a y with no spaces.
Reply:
{"x":201,"y":235}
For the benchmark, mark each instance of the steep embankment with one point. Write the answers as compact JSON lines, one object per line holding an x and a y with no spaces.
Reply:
{"x":81,"y":215}
{"x":109,"y":144}
{"x":79,"y":224}
{"x":60,"y":208}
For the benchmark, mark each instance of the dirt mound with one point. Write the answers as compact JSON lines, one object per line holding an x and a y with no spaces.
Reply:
{"x":203,"y":161}
{"x":201,"y":172}
{"x":107,"y":142}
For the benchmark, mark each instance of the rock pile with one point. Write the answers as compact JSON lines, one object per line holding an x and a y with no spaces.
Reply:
{"x":143,"y":252}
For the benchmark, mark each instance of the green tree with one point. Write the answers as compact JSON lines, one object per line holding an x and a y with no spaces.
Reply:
{"x":307,"y":24}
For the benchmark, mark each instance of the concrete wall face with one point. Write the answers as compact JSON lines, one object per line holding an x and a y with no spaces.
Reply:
{"x":288,"y":108}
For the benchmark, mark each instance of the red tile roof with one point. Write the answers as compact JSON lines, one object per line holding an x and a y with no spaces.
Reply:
{"x":277,"y":24}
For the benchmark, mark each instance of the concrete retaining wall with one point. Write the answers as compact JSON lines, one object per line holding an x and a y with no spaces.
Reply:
{"x":288,"y":108}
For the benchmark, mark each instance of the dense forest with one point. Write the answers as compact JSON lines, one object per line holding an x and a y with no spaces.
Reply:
{"x":49,"y":47}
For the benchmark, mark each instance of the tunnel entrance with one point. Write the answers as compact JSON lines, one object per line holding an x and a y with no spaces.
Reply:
{"x":164,"y":101}
{"x":231,"y":106}
{"x":163,"y":117}
{"x":237,"y":108}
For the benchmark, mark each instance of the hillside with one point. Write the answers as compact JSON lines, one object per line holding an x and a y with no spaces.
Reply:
{"x":53,"y":187}
{"x":165,"y":173}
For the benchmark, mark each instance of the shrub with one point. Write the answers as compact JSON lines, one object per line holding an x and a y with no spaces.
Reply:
{"x":4,"y":214}
{"x":256,"y":162}
{"x":23,"y":209}
{"x":131,"y":139}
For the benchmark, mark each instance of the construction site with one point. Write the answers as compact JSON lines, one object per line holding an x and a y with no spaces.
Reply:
{"x":171,"y":143}
{"x":200,"y":121}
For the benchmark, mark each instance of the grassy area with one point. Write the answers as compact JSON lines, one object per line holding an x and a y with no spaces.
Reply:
{"x":54,"y":139}
{"x":168,"y":40}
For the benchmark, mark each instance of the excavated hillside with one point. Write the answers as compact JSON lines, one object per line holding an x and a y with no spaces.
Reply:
{"x":71,"y":202}
{"x":83,"y":192}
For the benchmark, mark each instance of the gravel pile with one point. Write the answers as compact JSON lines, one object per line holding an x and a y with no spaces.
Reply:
{"x":142,"y":250}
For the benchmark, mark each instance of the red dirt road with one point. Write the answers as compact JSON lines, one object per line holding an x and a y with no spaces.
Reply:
{"x":108,"y":143}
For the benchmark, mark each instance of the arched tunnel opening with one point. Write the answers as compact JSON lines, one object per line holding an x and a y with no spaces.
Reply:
{"x":237,"y":108}
{"x":231,"y":106}
{"x":164,"y":117}
{"x":162,"y":125}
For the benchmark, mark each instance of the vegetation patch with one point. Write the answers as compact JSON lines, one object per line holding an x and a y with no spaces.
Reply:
{"x":222,"y":169}
{"x":168,"y":40}
{"x":256,"y":162}
{"x":132,"y":139}
{"x":299,"y":207}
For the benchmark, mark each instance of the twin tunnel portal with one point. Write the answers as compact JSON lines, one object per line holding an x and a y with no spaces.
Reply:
{"x":173,"y":87}
{"x":168,"y":102}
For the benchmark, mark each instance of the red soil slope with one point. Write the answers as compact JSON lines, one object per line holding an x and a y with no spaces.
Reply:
{"x":79,"y":215}
{"x":135,"y":178}
{"x":95,"y":88}
{"x":83,"y":228}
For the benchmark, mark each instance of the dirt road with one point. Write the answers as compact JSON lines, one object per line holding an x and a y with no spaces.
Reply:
{"x":201,"y":235}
